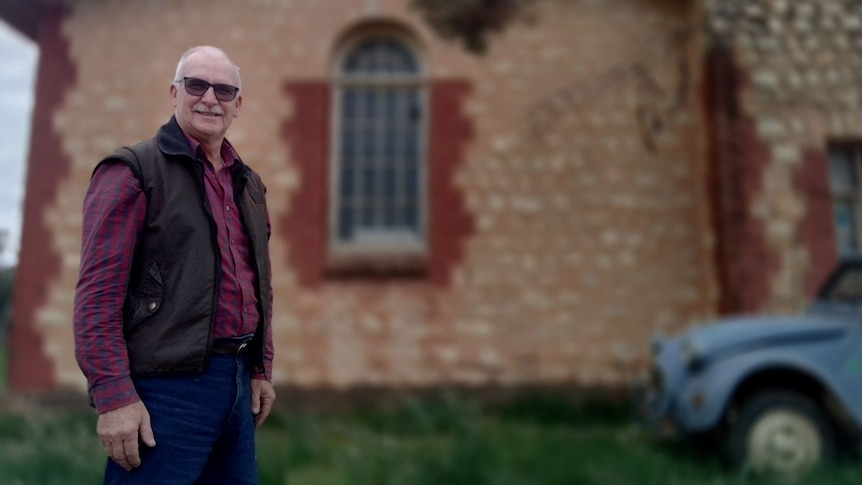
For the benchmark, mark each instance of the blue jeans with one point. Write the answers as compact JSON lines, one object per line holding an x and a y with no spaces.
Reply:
{"x":203,"y":427}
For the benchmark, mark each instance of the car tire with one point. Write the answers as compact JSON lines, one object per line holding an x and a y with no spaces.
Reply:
{"x":779,"y":432}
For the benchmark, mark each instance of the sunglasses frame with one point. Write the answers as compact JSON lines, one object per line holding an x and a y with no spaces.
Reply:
{"x":227,"y":89}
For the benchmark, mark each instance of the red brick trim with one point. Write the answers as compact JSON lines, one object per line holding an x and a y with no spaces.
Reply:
{"x":449,"y":224}
{"x":39,"y":264}
{"x":738,"y":159}
{"x":307,"y":135}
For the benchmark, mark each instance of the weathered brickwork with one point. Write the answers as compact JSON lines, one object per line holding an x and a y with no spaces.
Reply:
{"x":799,"y":62}
{"x":585,"y":224}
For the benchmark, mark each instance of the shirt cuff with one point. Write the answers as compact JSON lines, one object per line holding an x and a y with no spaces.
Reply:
{"x":266,"y":373}
{"x":113,"y":395}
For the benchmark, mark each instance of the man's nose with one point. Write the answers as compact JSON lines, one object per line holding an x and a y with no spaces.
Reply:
{"x":209,"y":96}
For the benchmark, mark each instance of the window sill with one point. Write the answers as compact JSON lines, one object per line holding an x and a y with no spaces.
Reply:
{"x":379,"y":263}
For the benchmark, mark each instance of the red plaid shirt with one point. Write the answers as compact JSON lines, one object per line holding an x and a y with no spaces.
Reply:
{"x":114,"y":214}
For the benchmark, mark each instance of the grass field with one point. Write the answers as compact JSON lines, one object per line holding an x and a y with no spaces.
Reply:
{"x":3,"y":368}
{"x":448,"y":441}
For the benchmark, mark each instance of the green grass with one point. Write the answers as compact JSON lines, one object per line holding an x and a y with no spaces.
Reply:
{"x":540,"y":441}
{"x":3,"y":368}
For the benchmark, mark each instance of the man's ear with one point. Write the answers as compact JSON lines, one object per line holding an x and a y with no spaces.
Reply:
{"x":238,"y":106}
{"x":174,"y":94}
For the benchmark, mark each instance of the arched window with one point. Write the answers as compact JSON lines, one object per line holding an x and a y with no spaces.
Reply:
{"x":378,"y":196}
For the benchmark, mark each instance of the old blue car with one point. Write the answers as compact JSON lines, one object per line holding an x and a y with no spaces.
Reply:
{"x":776,"y":393}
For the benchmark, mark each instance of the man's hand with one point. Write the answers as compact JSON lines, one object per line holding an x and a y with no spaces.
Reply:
{"x":119,"y":431}
{"x":262,"y":397}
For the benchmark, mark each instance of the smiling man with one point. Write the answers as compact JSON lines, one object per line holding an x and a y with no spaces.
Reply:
{"x":174,"y":299}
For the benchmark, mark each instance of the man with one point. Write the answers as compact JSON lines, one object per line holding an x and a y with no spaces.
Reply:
{"x":174,"y":299}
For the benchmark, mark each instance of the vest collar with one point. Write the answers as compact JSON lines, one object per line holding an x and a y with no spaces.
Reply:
{"x":173,"y":143}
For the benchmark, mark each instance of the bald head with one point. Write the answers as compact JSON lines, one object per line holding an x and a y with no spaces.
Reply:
{"x":206,"y":51}
{"x":203,"y":114}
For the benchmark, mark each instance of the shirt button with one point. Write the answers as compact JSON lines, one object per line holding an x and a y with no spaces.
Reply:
{"x":152,"y":305}
{"x":227,"y":208}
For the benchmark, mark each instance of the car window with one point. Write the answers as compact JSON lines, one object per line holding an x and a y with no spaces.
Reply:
{"x":846,"y":287}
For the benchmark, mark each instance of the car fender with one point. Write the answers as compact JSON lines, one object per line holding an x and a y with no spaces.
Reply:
{"x":704,"y":399}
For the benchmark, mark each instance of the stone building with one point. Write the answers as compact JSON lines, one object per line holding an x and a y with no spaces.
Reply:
{"x":526,"y":216}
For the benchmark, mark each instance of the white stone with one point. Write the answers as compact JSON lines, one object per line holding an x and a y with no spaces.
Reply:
{"x":447,"y":354}
{"x":486,"y":222}
{"x":610,"y":237}
{"x":114,"y":104}
{"x":765,"y":78}
{"x":770,"y":128}
{"x":780,"y":230}
{"x":768,"y":44}
{"x":852,"y":23}
{"x":526,"y":204}
{"x":287,"y":179}
{"x":841,"y":42}
{"x":50,"y":317}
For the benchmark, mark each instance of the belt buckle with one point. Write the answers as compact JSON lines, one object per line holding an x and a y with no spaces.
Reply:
{"x":241,"y":347}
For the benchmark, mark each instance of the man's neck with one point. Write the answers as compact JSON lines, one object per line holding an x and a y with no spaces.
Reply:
{"x":212,"y":149}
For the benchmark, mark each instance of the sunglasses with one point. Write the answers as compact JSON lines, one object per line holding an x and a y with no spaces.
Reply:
{"x":198,"y":87}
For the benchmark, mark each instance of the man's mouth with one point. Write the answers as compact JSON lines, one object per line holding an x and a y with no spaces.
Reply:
{"x":208,"y":113}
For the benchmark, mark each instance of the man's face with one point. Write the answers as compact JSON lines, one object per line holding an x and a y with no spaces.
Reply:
{"x":205,"y":118}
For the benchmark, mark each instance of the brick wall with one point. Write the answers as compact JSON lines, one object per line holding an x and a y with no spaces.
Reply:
{"x":580,"y":174}
{"x":797,"y":67}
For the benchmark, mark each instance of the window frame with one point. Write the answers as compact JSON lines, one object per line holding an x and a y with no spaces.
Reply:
{"x":389,"y":250}
{"x":852,"y":195}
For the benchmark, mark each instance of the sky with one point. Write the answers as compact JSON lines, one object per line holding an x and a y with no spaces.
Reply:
{"x":18,"y":57}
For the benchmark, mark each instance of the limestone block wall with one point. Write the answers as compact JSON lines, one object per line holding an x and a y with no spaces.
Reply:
{"x":797,"y":68}
{"x":584,"y":176}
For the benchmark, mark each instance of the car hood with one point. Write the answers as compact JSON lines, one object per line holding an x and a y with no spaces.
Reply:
{"x":751,"y":333}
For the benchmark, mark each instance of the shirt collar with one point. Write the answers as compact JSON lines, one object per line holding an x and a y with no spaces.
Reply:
{"x":228,"y":153}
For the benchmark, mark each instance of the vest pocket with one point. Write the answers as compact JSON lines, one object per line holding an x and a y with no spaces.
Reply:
{"x":144,"y":298}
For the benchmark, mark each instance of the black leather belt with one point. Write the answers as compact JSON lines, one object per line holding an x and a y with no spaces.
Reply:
{"x":231,"y":345}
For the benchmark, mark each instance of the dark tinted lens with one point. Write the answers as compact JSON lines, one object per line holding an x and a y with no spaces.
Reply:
{"x":225,"y":92}
{"x":196,"y":87}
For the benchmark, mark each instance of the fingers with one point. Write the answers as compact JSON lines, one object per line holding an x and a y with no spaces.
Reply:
{"x":266,"y":400}
{"x":133,"y":458}
{"x":147,"y":435}
{"x":262,"y":415}
{"x":117,"y":453}
{"x":255,"y":400}
{"x":119,"y":431}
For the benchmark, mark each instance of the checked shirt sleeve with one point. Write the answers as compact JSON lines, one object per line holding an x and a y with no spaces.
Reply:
{"x":114,"y":211}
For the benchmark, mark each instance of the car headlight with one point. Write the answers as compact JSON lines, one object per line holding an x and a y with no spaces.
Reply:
{"x":691,"y":355}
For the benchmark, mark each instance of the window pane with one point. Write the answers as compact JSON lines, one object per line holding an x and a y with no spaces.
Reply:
{"x":367,"y":220}
{"x":390,"y":146}
{"x":349,"y":104}
{"x":345,"y":223}
{"x":390,"y":213}
{"x":380,"y":56}
{"x":842,"y":174}
{"x":389,"y":183}
{"x":411,"y":183}
{"x":411,"y":217}
{"x":845,"y":228}
{"x":369,"y":183}
{"x":347,"y":183}
{"x":368,"y":135}
{"x":348,"y":145}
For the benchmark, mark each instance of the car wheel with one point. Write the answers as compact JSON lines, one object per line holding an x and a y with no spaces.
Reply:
{"x":781,"y":432}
